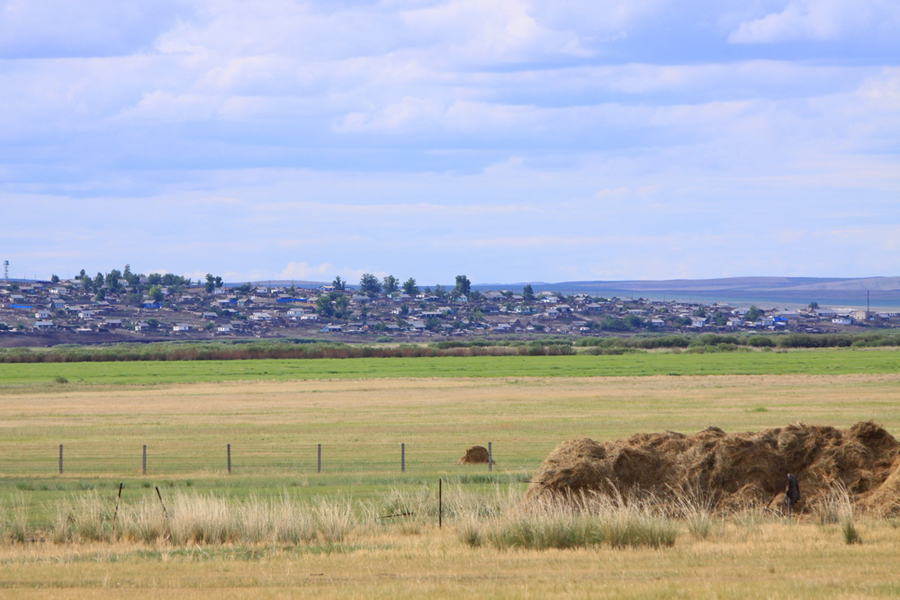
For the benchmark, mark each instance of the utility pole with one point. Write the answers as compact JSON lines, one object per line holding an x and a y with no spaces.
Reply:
{"x":6,"y":270}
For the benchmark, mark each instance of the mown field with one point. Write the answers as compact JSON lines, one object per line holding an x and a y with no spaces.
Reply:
{"x":275,"y":413}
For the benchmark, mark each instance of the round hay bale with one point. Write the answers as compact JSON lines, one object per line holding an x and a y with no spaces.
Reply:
{"x":474,"y":456}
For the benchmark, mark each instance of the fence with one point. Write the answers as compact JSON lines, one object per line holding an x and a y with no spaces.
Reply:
{"x":252,"y":458}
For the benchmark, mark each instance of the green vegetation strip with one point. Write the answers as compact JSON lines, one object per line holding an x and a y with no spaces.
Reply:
{"x":811,"y":362}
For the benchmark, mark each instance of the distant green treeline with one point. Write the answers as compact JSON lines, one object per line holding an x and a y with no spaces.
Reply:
{"x":311,"y":349}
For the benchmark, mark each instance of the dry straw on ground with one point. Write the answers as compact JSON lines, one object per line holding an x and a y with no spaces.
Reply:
{"x":731,"y":471}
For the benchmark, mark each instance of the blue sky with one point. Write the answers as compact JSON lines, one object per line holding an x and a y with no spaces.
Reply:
{"x":506,"y":140}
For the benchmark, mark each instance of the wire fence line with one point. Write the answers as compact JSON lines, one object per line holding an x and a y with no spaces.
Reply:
{"x":26,"y":459}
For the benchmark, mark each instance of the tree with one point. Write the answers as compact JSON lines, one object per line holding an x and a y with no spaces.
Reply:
{"x":210,"y":283}
{"x":462,"y":286}
{"x":390,"y":284}
{"x":342,"y":307}
{"x":410,"y":288}
{"x":54,"y":278}
{"x":98,"y":281}
{"x":814,"y":306}
{"x":339,"y":284}
{"x":754,"y":313}
{"x":324,"y":307}
{"x":369,"y":285}
{"x":219,"y":282}
{"x":528,"y":293}
{"x":130,"y":277}
{"x":155,"y":293}
{"x":440,"y":291}
{"x":112,"y":280}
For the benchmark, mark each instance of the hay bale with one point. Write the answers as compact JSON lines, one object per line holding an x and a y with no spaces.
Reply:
{"x":474,"y":456}
{"x":731,"y":470}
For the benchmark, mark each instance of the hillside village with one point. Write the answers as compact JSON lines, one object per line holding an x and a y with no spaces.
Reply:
{"x":141,"y":308}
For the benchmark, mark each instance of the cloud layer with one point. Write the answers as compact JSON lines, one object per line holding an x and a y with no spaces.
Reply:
{"x":509,"y":140}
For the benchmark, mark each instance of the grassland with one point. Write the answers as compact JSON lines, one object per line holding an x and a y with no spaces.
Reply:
{"x":835,"y":361}
{"x":274,"y":413}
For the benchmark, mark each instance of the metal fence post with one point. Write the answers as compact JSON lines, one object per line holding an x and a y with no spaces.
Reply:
{"x":229,"y":458}
{"x":320,"y":459}
{"x":60,"y":459}
{"x":403,"y":457}
{"x":144,"y":461}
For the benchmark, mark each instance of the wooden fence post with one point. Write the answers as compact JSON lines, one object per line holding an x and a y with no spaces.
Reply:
{"x":60,"y":459}
{"x":490,"y":457}
{"x":144,"y":461}
{"x":320,"y":459}
{"x":229,"y":458}
{"x":403,"y":457}
{"x":440,"y":502}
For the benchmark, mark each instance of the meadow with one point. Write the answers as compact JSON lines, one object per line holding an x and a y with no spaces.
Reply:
{"x":275,"y":413}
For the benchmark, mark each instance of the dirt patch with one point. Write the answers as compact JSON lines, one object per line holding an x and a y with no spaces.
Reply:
{"x":474,"y":456}
{"x":731,"y":470}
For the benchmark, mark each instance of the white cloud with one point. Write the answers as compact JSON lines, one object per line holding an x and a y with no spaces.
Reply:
{"x":822,"y":20}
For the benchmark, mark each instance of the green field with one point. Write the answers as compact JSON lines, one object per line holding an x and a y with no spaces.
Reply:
{"x":809,"y":362}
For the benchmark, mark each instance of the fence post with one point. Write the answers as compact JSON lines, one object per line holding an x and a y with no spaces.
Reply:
{"x":490,"y":457}
{"x":60,"y":459}
{"x":144,"y":461}
{"x":229,"y":458}
{"x":403,"y":457}
{"x":320,"y":459}
{"x":440,"y":502}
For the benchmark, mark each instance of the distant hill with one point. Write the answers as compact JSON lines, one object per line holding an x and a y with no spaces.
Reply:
{"x":883,"y":292}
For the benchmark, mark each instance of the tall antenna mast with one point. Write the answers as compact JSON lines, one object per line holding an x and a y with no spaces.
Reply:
{"x":6,"y":270}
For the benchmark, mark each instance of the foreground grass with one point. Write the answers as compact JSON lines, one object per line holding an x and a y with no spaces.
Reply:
{"x":749,"y":556}
{"x":809,"y":362}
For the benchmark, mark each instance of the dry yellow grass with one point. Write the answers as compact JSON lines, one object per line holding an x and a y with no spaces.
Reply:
{"x":765,"y":559}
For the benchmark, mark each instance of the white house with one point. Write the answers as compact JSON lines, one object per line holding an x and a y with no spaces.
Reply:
{"x":181,"y":327}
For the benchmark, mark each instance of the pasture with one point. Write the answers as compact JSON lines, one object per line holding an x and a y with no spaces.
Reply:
{"x":275,"y":413}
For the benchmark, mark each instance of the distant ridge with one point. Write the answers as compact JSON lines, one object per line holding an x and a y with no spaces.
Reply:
{"x":883,"y":292}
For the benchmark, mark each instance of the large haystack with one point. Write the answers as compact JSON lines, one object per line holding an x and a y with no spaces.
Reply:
{"x":474,"y":456}
{"x":731,"y":470}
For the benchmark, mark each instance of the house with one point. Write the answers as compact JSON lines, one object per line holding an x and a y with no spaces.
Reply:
{"x":296,"y":313}
{"x":309,"y":317}
{"x":209,"y":316}
{"x":112,"y":323}
{"x":181,"y":327}
{"x":225,"y":329}
{"x":43,"y":315}
{"x":261,"y":316}
{"x":331,"y":328}
{"x":44,"y":325}
{"x":142,"y":326}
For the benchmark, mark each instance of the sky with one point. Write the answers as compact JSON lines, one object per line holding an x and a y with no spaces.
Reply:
{"x":507,"y":140}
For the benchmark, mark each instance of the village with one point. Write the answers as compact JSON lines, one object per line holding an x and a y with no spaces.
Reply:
{"x":139,"y":308}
